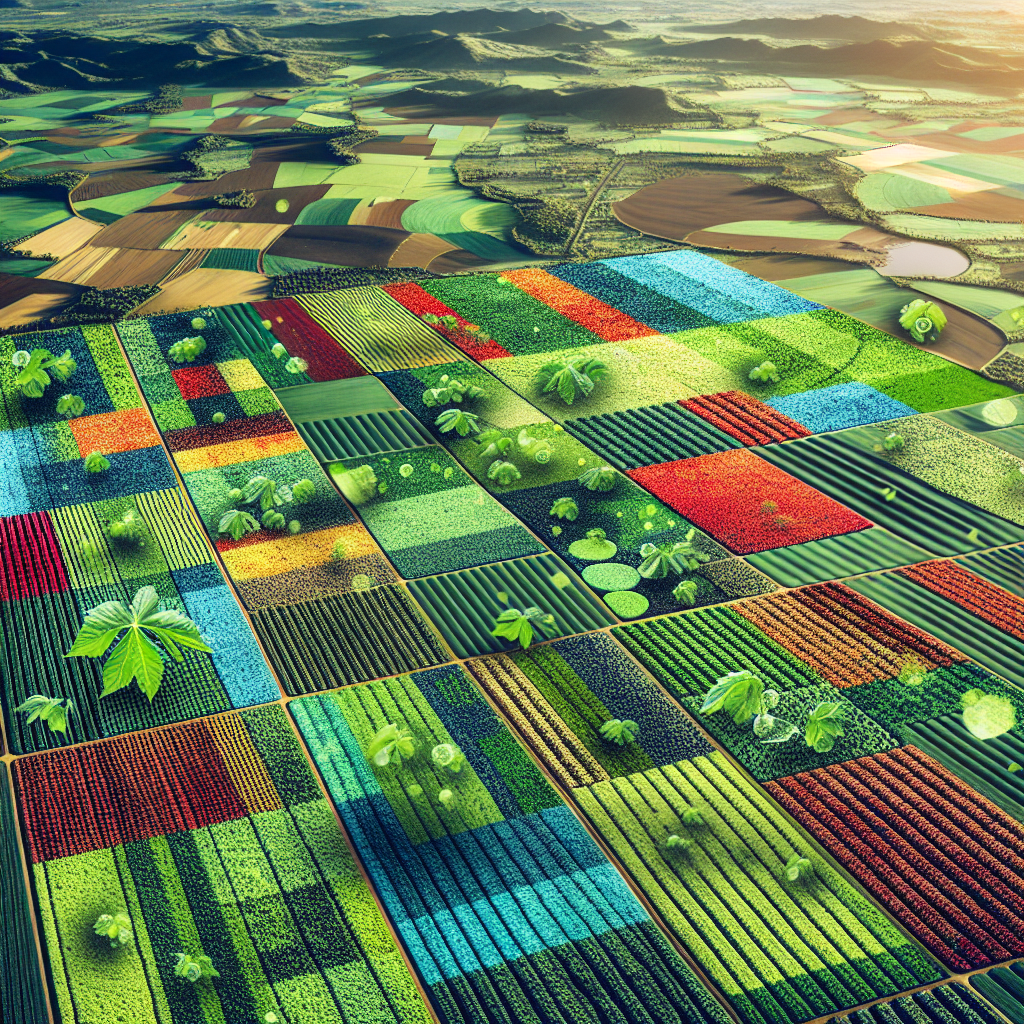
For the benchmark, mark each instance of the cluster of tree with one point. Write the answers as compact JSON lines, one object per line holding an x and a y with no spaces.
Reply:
{"x":105,"y":305}
{"x":213,"y":155}
{"x":327,"y":279}
{"x":344,"y":140}
{"x":168,"y":99}
{"x":242,"y":198}
{"x":543,"y":126}
{"x":66,"y":180}
{"x":546,"y":223}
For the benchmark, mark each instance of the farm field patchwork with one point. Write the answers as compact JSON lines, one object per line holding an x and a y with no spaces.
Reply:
{"x":518,"y":561}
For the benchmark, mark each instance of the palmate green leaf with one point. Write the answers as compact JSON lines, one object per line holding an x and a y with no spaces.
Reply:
{"x":738,"y":694}
{"x":136,"y":656}
{"x":824,"y":726}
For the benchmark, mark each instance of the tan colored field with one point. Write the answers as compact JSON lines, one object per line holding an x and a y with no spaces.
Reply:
{"x":144,"y":230}
{"x":62,"y":239}
{"x":210,"y":234}
{"x":420,"y":250}
{"x":31,"y":308}
{"x":81,"y":265}
{"x":133,"y":267}
{"x":209,"y":287}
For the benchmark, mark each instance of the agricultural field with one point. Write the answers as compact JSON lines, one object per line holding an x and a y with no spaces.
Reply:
{"x":596,"y":642}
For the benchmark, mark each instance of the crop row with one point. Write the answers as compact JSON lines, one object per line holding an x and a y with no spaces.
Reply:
{"x":560,"y":716}
{"x":987,"y":601}
{"x":234,"y":855}
{"x":780,"y":950}
{"x":747,"y":419}
{"x":376,"y":330}
{"x":945,"y":861}
{"x":940,"y":1005}
{"x":520,"y":919}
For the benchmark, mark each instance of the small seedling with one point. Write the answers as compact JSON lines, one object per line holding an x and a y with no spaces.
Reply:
{"x":131,"y":528}
{"x":194,"y":968}
{"x":889,"y":493}
{"x":766,"y":373}
{"x":116,"y":927}
{"x":34,"y":369}
{"x":492,"y":445}
{"x":565,"y":508}
{"x":296,"y":365}
{"x":135,"y":655}
{"x":798,"y":867}
{"x":572,"y":378}
{"x":519,"y":626}
{"x":406,"y":470}
{"x":51,"y":710}
{"x":824,"y":726}
{"x":620,"y":732}
{"x":218,"y":418}
{"x":361,"y":581}
{"x":358,"y":485}
{"x":96,"y":462}
{"x":913,"y":672}
{"x":533,"y":448}
{"x":294,"y":527}
{"x":448,"y":755}
{"x":893,"y":442}
{"x":70,"y":406}
{"x":446,"y":798}
{"x":692,"y":817}
{"x":303,"y":491}
{"x":273,"y":520}
{"x":278,"y":351}
{"x":503,"y":473}
{"x":236,"y":523}
{"x":187,"y":350}
{"x":659,"y":560}
{"x":685,"y":592}
{"x":923,"y":319}
{"x":675,"y":842}
{"x":462,"y":422}
{"x":390,"y":745}
{"x":598,"y":478}
{"x":450,"y":391}
{"x":198,"y":323}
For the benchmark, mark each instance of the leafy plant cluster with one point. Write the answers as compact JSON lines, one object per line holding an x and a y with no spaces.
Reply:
{"x":167,"y":100}
{"x":743,"y":696}
{"x":35,"y":367}
{"x":924,"y":320}
{"x":571,"y":378}
{"x":329,"y":279}
{"x":267,"y":497}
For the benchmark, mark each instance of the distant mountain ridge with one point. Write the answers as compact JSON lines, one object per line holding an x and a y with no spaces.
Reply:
{"x":852,"y":28}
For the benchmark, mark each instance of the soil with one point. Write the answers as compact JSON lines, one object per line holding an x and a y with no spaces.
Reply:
{"x":348,"y":246}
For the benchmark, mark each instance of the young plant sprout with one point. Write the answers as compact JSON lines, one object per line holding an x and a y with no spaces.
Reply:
{"x":677,"y":842}
{"x":135,"y":655}
{"x":893,"y":442}
{"x":51,"y":710}
{"x":34,"y":369}
{"x":273,"y":520}
{"x":446,"y":798}
{"x":766,"y":373}
{"x":198,"y":323}
{"x":236,"y":523}
{"x":405,"y":470}
{"x":659,"y":560}
{"x":358,"y":485}
{"x":448,"y":755}
{"x":503,"y":473}
{"x":390,"y":745}
{"x":692,"y":817}
{"x":532,"y":448}
{"x":598,"y":478}
{"x":565,"y":508}
{"x":294,"y":527}
{"x":194,"y":968}
{"x":187,"y":350}
{"x":493,"y":444}
{"x":450,"y":390}
{"x":798,"y":867}
{"x":115,"y":927}
{"x":519,"y":626}
{"x":131,"y":528}
{"x":296,"y":365}
{"x":572,"y":378}
{"x":685,"y":592}
{"x":620,"y":732}
{"x":70,"y":406}
{"x":463,"y":423}
{"x":824,"y":726}
{"x":743,"y":696}
{"x":265,"y":492}
{"x":278,"y":351}
{"x":96,"y":462}
{"x":923,"y":319}
{"x":595,"y":547}
{"x":218,"y":418}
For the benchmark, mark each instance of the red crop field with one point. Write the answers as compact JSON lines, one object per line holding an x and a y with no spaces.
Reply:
{"x":418,"y":301}
{"x":999,"y":607}
{"x":946,"y":862}
{"x":98,"y":795}
{"x":604,"y":320}
{"x":745,"y":418}
{"x":746,"y":503}
{"x":305,"y":338}
{"x":30,"y":562}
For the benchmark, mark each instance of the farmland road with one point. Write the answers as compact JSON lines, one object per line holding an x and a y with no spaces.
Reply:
{"x":601,"y":186}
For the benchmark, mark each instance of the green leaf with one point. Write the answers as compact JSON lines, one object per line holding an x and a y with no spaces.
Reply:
{"x":824,"y":726}
{"x":135,"y":657}
{"x":738,"y":694}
